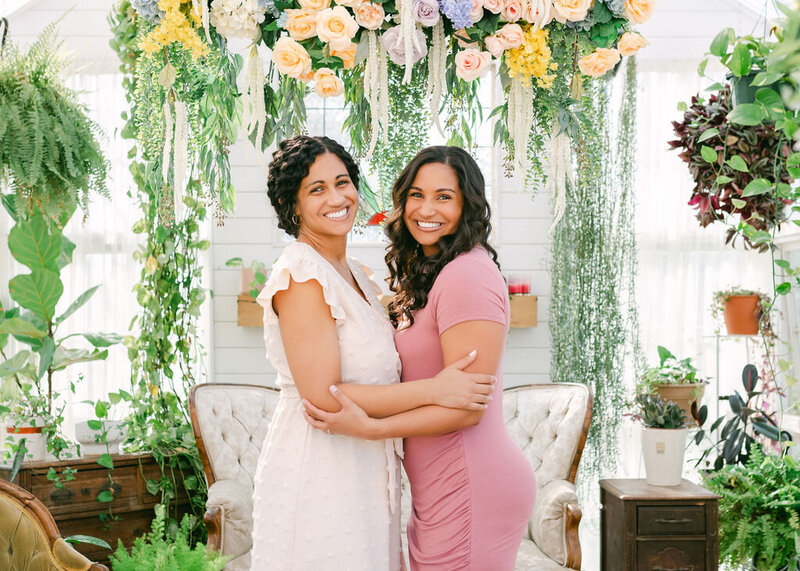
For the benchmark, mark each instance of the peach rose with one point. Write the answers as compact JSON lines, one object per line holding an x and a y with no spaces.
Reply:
{"x":512,"y":10}
{"x":464,"y":40}
{"x":326,"y":84}
{"x":571,"y":10}
{"x":307,"y":76}
{"x":477,"y":11}
{"x":348,"y":56}
{"x":600,"y":61}
{"x":472,"y":63}
{"x":314,"y":4}
{"x":494,"y":46}
{"x":511,"y":36}
{"x":350,"y":3}
{"x":301,"y":24}
{"x":494,"y":6}
{"x":639,"y":11}
{"x":290,"y":57}
{"x":336,"y":27}
{"x":630,"y":43}
{"x":370,"y":16}
{"x":538,"y":13}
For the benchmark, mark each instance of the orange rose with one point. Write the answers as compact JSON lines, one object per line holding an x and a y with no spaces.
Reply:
{"x":370,"y":16}
{"x":494,"y":6}
{"x":511,"y":36}
{"x":512,"y":10}
{"x":336,"y":27}
{"x":630,"y":43}
{"x":471,"y":63}
{"x":639,"y":11}
{"x":600,"y":61}
{"x":348,"y":56}
{"x":571,"y":10}
{"x":314,"y":4}
{"x":326,"y":84}
{"x":290,"y":57}
{"x":301,"y":24}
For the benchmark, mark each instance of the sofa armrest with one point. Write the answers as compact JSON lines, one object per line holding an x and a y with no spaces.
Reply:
{"x":230,"y":509}
{"x":554,"y":523}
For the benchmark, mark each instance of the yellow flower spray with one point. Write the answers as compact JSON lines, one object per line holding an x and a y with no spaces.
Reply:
{"x":532,"y":59}
{"x":174,"y":27}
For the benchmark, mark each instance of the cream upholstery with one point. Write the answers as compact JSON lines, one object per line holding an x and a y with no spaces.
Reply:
{"x":230,"y":422}
{"x":548,"y":422}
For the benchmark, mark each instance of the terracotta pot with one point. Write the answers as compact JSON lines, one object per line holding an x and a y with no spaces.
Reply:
{"x":741,"y":315}
{"x":682,"y":395}
{"x":663,"y":450}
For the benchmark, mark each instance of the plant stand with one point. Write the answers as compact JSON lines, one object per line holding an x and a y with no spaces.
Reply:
{"x":75,"y":507}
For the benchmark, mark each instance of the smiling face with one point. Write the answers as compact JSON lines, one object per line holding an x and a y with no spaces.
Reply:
{"x":327,"y":200}
{"x":433,"y":207}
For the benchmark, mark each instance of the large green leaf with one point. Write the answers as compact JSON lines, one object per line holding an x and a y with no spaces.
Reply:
{"x":34,"y":244}
{"x":17,"y":326}
{"x":63,"y":358}
{"x":757,"y":186}
{"x":67,"y":247}
{"x":46,"y":356}
{"x":719,"y":45}
{"x":773,"y":103}
{"x":76,"y":305}
{"x":103,"y":339}
{"x":747,"y":114}
{"x":15,"y":364}
{"x":740,"y":60}
{"x":38,"y":291}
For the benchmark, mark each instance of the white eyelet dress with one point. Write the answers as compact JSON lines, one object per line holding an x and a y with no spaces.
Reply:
{"x":320,"y":502}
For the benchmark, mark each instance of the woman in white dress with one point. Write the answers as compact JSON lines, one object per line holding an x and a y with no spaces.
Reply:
{"x":331,"y":502}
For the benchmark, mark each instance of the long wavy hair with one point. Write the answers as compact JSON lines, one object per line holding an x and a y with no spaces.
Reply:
{"x":411,"y":273}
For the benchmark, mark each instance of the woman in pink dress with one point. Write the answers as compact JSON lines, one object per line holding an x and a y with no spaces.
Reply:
{"x":472,"y":489}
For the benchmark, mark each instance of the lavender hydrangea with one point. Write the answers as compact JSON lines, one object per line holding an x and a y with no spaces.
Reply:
{"x":457,"y":11}
{"x":148,"y":9}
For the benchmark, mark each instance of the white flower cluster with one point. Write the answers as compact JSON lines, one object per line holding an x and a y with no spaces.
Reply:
{"x":238,"y":18}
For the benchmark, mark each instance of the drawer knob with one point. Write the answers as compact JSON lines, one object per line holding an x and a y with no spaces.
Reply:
{"x":665,"y":520}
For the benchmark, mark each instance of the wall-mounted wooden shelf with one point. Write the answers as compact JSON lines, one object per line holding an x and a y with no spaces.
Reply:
{"x":523,"y":310}
{"x":250,"y":314}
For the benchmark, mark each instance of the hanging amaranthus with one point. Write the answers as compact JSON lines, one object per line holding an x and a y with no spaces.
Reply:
{"x":180,"y":160}
{"x":437,"y":69}
{"x":520,"y":120}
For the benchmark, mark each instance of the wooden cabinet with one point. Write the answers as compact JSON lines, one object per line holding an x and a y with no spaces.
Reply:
{"x":75,"y":507}
{"x":657,"y":528}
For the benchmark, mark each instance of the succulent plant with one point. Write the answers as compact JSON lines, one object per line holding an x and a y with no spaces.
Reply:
{"x":654,"y":412}
{"x":720,"y":183}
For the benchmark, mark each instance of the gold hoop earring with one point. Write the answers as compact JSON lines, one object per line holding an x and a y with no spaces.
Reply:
{"x":296,"y":219}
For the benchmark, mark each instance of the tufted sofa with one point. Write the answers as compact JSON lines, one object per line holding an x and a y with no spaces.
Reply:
{"x":29,"y":537}
{"x":548,"y":421}
{"x":230,"y":422}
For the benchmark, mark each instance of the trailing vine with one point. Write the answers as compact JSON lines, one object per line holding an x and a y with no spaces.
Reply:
{"x":593,"y":318}
{"x":165,"y":352}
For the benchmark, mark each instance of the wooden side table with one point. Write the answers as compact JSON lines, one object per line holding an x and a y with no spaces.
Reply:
{"x":657,"y":528}
{"x":75,"y":507}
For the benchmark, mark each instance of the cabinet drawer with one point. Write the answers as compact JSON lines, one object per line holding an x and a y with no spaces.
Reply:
{"x":671,"y":520}
{"x":679,"y":555}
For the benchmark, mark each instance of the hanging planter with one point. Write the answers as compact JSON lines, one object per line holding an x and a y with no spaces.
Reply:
{"x":742,"y":311}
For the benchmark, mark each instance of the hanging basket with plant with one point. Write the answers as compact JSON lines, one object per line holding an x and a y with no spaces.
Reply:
{"x":744,"y":311}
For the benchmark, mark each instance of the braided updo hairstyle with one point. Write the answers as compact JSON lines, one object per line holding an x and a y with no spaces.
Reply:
{"x":290,"y":165}
{"x":411,"y":273}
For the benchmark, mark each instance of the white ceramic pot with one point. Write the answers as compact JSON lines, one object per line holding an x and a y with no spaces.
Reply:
{"x":663,"y":450}
{"x":31,"y":430}
{"x":89,"y":438}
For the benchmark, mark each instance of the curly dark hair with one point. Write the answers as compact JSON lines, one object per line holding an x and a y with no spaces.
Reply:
{"x":411,"y":273}
{"x":290,"y":165}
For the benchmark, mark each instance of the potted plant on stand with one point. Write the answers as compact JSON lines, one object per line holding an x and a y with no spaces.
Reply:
{"x":742,"y":310}
{"x":675,"y":380}
{"x":663,"y":439}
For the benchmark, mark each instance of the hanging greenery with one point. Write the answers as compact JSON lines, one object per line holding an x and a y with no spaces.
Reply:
{"x":184,"y":116}
{"x":592,"y":313}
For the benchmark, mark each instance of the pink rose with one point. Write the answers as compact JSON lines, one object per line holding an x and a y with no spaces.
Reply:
{"x":494,"y":6}
{"x":392,"y":40}
{"x":426,"y":12}
{"x":512,"y":10}
{"x":494,"y":46}
{"x":511,"y":36}
{"x":464,"y":40}
{"x":477,"y":11}
{"x":472,"y":63}
{"x":369,"y":15}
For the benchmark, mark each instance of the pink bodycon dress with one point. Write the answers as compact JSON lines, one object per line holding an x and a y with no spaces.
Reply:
{"x":472,"y":490}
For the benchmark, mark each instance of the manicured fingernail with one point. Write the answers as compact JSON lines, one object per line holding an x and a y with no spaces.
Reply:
{"x":485,"y":406}
{"x":490,"y":397}
{"x":334,"y":389}
{"x":473,"y":353}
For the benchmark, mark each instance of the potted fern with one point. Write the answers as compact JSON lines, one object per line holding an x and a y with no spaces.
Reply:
{"x":675,"y":380}
{"x":663,"y":439}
